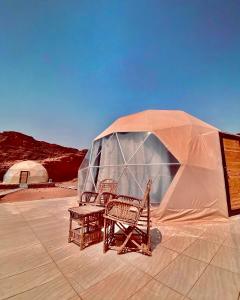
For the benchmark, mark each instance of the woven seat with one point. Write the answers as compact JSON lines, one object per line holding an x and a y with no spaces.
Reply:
{"x":107,"y":189}
{"x":127,"y":214}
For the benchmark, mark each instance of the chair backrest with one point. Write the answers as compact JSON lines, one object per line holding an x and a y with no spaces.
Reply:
{"x":146,"y":197}
{"x":129,"y":211}
{"x":107,"y":185}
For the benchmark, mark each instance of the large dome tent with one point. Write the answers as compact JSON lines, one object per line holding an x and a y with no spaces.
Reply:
{"x":180,"y":153}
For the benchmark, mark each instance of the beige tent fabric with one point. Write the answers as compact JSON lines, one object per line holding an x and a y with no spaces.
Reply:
{"x":197,"y":192}
{"x":37,"y":173}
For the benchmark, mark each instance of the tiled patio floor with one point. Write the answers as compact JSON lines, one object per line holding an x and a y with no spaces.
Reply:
{"x":188,"y":262}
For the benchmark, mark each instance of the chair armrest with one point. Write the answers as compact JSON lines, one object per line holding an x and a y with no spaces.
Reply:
{"x":87,"y":196}
{"x":129,"y":198}
{"x":123,"y":202}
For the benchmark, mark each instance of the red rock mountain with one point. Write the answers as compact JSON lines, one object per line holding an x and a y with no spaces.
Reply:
{"x":62,"y":163}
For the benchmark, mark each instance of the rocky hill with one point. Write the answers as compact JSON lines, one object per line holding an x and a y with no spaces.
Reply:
{"x":62,"y":163}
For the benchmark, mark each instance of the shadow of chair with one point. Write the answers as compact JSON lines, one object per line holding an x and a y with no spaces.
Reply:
{"x":156,"y":238}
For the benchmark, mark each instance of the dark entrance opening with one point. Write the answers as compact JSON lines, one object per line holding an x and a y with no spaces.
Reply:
{"x":24,"y":176}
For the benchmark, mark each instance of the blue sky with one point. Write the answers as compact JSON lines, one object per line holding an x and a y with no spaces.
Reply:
{"x":70,"y":68}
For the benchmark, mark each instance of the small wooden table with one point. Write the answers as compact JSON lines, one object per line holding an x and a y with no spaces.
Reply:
{"x":90,"y":224}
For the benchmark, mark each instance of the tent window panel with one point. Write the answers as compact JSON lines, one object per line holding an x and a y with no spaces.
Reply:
{"x":86,"y":160}
{"x":96,"y":153}
{"x":89,"y":184}
{"x":127,"y":185}
{"x":101,"y":173}
{"x":143,"y":173}
{"x":161,"y":175}
{"x":97,"y":149}
{"x":130,"y":142}
{"x":153,"y":151}
{"x":82,"y":177}
{"x":162,"y":182}
{"x":111,"y":153}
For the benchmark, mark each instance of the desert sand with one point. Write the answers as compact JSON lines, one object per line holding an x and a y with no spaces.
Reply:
{"x":39,"y":193}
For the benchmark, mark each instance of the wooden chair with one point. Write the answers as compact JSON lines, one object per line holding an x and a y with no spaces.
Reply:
{"x":127,"y":213}
{"x":107,"y":189}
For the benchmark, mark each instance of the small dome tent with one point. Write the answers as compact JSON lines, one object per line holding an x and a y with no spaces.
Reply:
{"x":180,"y":153}
{"x":26,"y":172}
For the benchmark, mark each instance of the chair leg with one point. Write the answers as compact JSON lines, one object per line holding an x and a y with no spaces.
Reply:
{"x":120,"y":249}
{"x":105,"y":236}
{"x":108,"y":235}
{"x":145,"y":246}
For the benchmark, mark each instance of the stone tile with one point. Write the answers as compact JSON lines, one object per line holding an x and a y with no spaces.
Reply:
{"x":72,"y":263}
{"x":179,"y":242}
{"x":235,"y":227}
{"x":13,"y":220}
{"x":218,"y":239}
{"x":57,"y":224}
{"x":55,"y":289}
{"x":68,"y":249}
{"x":12,"y":229}
{"x":30,"y":214}
{"x":22,"y":282}
{"x":44,"y":222}
{"x":48,"y":235}
{"x":54,"y":226}
{"x":233,"y":241}
{"x":56,"y":243}
{"x":8,"y":209}
{"x":17,"y":240}
{"x":220,"y":230}
{"x":152,"y":265}
{"x":76,"y":297}
{"x":49,"y":222}
{"x":22,"y":260}
{"x":15,"y":229}
{"x":154,"y":290}
{"x":216,"y":284}
{"x":166,"y":233}
{"x":96,"y":270}
{"x":191,"y":230}
{"x":77,"y":288}
{"x":119,"y":285}
{"x":79,"y":259}
{"x":181,"y":274}
{"x":227,"y":258}
{"x":202,"y":250}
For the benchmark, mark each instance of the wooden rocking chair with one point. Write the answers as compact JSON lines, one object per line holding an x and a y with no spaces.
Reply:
{"x":107,"y":189}
{"x":127,"y":213}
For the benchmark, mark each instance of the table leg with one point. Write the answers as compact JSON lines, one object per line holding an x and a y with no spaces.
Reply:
{"x":70,"y":229}
{"x":81,"y":223}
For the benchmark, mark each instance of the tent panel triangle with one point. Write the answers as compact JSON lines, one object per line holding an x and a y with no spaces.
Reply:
{"x":153,"y":151}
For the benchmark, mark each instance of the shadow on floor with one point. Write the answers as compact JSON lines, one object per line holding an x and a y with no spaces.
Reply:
{"x":156,"y":238}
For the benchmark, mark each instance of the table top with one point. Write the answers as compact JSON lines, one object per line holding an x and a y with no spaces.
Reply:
{"x":86,"y":210}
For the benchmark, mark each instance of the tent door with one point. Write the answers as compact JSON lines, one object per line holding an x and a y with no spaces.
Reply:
{"x":23,"y":176}
{"x":230,"y":146}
